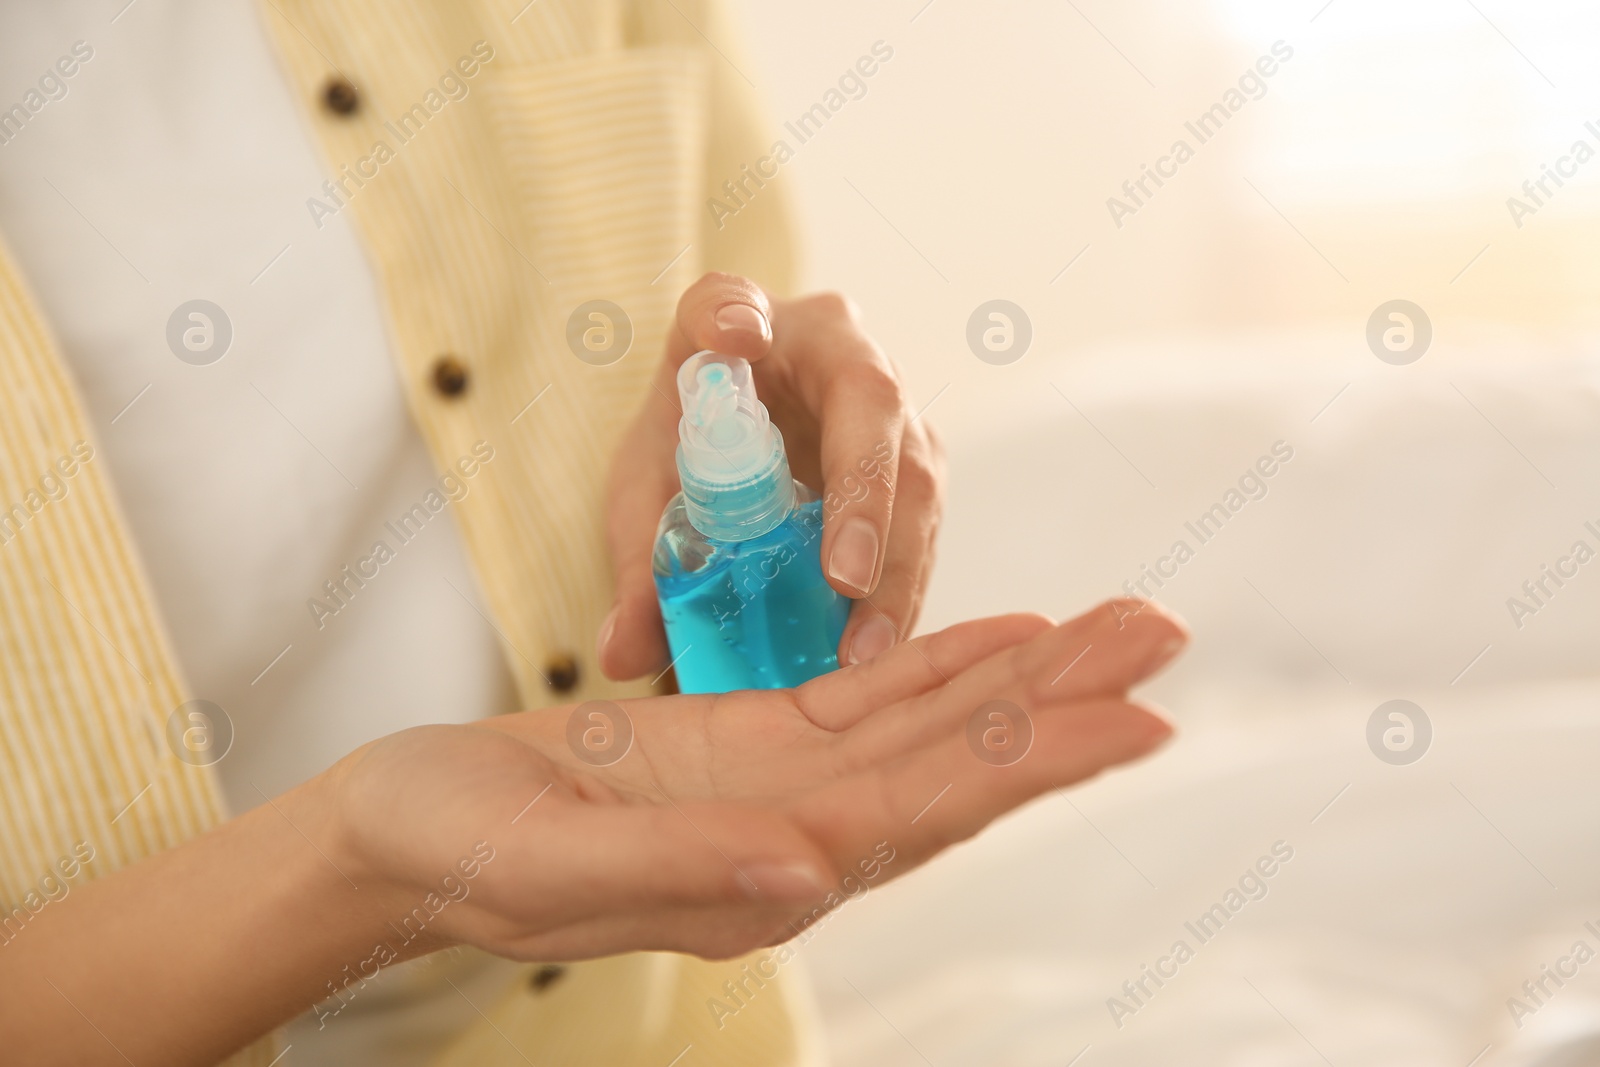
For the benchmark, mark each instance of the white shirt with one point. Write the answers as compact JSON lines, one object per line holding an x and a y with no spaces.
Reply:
{"x":175,"y":167}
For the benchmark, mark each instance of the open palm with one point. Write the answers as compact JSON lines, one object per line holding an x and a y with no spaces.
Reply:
{"x":712,"y":824}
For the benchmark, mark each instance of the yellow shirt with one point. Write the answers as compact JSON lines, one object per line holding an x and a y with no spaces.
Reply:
{"x":578,"y":169}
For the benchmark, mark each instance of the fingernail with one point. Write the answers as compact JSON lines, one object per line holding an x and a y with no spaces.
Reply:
{"x":874,"y":637}
{"x":781,"y":881}
{"x":855,"y":554}
{"x":605,"y":629}
{"x":742,"y":318}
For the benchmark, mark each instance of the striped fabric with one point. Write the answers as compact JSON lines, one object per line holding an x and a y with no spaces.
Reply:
{"x":574,"y":170}
{"x":87,"y":679}
{"x":573,"y":164}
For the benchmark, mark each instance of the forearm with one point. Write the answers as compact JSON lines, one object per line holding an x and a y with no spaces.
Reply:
{"x":187,"y":956}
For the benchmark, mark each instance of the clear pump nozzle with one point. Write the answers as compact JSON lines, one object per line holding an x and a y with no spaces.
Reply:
{"x":736,"y":481}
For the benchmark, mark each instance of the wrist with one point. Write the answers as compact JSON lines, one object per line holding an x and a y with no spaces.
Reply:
{"x":320,"y":892}
{"x":376,"y":899}
{"x":319,"y":809}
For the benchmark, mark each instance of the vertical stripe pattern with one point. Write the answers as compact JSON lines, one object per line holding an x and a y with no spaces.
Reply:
{"x":87,"y":679}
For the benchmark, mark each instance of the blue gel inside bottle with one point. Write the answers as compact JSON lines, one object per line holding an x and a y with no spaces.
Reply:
{"x":737,"y":557}
{"x":755,"y":614}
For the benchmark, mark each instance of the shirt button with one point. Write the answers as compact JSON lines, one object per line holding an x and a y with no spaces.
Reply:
{"x":562,"y":672}
{"x":545,"y":977}
{"x":340,"y":97}
{"x":449,"y":376}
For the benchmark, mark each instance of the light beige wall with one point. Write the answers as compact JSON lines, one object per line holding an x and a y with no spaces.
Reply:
{"x":993,"y":138}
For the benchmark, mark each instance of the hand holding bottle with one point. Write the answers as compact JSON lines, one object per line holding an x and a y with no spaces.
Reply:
{"x":847,"y":422}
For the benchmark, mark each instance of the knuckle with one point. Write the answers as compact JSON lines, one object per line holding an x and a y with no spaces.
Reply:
{"x":938,"y":463}
{"x":917,"y":478}
{"x":922,"y":474}
{"x":875,"y":382}
{"x":852,"y":489}
{"x":834,"y":304}
{"x":935,"y":443}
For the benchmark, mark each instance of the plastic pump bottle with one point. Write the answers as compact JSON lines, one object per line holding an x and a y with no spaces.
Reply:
{"x":738,"y":553}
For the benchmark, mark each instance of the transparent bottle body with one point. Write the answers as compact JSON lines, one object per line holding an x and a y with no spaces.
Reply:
{"x":753,"y":614}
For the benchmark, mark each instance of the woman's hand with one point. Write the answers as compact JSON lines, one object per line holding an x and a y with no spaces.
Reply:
{"x":729,"y":818}
{"x":722,"y":827}
{"x":850,"y":432}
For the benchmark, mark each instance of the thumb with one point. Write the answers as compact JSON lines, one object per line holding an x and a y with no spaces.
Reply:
{"x":580,"y":880}
{"x":722,"y":312}
{"x":632,"y":640}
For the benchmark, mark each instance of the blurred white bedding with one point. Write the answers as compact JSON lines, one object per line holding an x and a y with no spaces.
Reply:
{"x":1377,"y":565}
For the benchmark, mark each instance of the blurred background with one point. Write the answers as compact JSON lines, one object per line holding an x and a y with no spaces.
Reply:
{"x":1353,"y":335}
{"x":1440,"y":859}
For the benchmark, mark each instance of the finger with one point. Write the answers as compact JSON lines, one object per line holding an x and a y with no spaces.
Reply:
{"x":863,"y":422}
{"x":879,"y":621}
{"x":892,"y":818}
{"x":839,"y":700}
{"x":722,"y":312}
{"x":721,"y":932}
{"x":631,"y":641}
{"x":943,"y":793}
{"x":566,"y":861}
{"x":1102,"y":653}
{"x":1127,"y":641}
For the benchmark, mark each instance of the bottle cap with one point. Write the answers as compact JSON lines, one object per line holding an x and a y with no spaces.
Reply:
{"x":736,"y":480}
